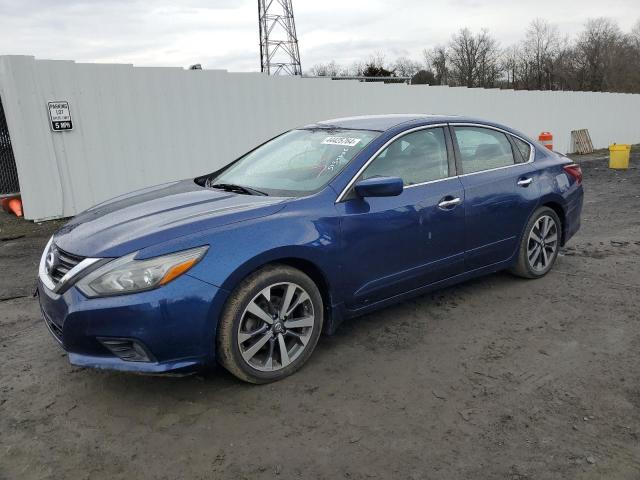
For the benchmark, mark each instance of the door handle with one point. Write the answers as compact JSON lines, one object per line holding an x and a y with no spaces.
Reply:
{"x":525,"y":182}
{"x":449,"y":202}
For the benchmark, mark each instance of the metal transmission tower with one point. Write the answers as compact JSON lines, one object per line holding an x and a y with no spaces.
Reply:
{"x":279,"y":52}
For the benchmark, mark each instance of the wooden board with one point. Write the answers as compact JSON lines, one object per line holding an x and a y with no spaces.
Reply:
{"x":581,"y":141}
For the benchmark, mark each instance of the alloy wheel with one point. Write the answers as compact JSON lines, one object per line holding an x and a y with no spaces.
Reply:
{"x":542,"y":243}
{"x":276,"y":326}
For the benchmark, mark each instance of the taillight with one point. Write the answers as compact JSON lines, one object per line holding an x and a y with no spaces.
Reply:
{"x":575,"y":171}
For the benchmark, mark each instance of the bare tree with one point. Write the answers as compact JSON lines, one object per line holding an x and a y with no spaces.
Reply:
{"x":377,"y":60}
{"x":474,"y":59}
{"x":437,"y":59}
{"x":595,"y":49}
{"x":329,"y":69}
{"x":463,"y":58}
{"x":564,"y":69}
{"x":634,"y":63}
{"x":624,"y":67}
{"x":405,"y":67}
{"x":355,"y":69}
{"x":375,"y":66}
{"x":635,"y":35}
{"x":489,"y":68}
{"x":510,"y":62}
{"x":601,"y":58}
{"x":541,"y":48}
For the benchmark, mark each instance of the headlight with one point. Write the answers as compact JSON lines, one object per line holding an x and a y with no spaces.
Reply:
{"x":126,"y":275}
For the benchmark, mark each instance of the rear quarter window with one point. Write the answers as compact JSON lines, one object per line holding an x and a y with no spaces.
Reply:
{"x":523,"y":147}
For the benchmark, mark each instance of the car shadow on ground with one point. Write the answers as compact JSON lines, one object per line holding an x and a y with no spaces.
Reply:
{"x":353,"y":333}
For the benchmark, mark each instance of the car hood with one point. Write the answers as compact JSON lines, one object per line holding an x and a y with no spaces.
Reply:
{"x":157,"y":214}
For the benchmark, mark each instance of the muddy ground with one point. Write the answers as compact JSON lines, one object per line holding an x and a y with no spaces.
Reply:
{"x":496,"y":378}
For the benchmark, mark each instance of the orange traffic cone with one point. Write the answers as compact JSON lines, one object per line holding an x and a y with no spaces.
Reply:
{"x":12,"y":205}
{"x":15,"y":205}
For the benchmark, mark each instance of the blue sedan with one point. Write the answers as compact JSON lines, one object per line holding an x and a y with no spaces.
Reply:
{"x":248,"y":265}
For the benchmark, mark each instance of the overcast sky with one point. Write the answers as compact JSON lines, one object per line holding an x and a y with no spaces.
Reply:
{"x":224,"y":33}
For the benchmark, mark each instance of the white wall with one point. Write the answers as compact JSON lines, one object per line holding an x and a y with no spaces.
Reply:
{"x":139,"y":126}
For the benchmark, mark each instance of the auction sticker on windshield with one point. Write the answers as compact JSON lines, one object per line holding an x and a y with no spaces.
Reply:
{"x":343,"y":141}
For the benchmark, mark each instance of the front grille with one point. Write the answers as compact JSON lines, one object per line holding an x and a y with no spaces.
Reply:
{"x":62,"y":263}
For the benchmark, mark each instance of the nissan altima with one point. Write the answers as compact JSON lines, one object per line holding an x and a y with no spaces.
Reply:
{"x":248,"y":265}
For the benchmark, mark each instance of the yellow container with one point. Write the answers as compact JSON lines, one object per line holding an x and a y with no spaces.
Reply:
{"x":619,"y":156}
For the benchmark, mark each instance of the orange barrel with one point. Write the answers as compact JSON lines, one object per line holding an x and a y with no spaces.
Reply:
{"x":546,"y":139}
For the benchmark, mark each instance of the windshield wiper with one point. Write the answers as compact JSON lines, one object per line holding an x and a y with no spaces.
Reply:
{"x":230,"y":187}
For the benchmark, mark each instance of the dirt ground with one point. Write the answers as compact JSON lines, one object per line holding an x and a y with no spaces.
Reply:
{"x":498,"y":378}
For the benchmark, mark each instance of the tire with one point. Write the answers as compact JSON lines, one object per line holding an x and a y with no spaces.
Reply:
{"x":531,"y":264}
{"x":253,"y":329}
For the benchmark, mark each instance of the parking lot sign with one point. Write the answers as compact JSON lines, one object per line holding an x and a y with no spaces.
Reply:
{"x":60,"y":116}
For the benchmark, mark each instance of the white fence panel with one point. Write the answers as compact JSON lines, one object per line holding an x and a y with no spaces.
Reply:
{"x":139,"y":126}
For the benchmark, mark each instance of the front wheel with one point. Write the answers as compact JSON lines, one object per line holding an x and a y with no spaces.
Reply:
{"x":539,"y":245}
{"x":270,"y":325}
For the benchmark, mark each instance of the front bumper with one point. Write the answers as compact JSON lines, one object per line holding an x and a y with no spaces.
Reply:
{"x":176,"y":324}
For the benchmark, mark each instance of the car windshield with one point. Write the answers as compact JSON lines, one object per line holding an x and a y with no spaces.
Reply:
{"x":296,"y":163}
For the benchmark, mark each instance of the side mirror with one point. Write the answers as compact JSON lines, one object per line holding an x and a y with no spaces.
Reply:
{"x":379,"y":187}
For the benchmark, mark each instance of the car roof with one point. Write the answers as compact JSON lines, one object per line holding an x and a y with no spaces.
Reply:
{"x":385,"y":122}
{"x":373,"y":122}
{"x":382,"y":123}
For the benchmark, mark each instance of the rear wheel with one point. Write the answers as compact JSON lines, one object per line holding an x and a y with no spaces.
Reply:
{"x":539,"y":245}
{"x":271,"y":325}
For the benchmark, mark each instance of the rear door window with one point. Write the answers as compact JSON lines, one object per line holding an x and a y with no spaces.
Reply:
{"x":483,"y":149}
